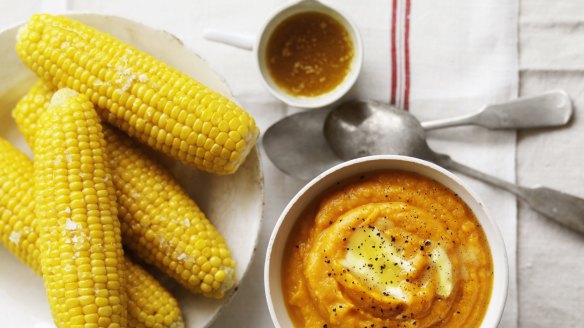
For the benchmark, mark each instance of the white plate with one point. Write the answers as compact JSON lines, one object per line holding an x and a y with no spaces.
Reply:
{"x":234,"y":203}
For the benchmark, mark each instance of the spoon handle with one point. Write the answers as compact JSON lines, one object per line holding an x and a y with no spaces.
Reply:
{"x":234,"y":39}
{"x":563,"y":208}
{"x":449,"y":163}
{"x":552,"y":108}
{"x":449,"y":122}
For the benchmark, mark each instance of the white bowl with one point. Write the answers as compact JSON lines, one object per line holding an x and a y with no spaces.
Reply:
{"x":273,"y":265}
{"x":234,"y":203}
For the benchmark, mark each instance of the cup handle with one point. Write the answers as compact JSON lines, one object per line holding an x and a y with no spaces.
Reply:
{"x":238,"y":40}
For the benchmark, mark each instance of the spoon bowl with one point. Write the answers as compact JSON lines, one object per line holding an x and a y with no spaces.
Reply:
{"x":361,"y":128}
{"x":297,"y":146}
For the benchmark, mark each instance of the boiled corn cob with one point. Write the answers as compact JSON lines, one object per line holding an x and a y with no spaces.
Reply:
{"x":149,"y":304}
{"x":160,"y":223}
{"x":137,"y":93}
{"x":82,"y":260}
{"x":19,"y":230}
{"x":28,"y":110}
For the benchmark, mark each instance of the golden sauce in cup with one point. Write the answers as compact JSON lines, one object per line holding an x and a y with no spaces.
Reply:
{"x":309,"y":54}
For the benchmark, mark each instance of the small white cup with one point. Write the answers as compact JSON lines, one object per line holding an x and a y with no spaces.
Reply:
{"x":258,"y":46}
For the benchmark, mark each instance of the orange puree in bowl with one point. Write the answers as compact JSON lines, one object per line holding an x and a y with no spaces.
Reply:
{"x":389,"y":249}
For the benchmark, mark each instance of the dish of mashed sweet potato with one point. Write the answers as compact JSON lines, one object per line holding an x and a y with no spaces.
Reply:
{"x":387,"y":249}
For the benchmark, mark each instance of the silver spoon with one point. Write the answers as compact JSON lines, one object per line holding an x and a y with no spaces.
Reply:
{"x":552,"y":108}
{"x":366,"y":130}
{"x":297,"y":146}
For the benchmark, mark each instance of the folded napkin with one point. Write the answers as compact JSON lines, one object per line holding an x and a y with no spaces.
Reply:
{"x":437,"y":58}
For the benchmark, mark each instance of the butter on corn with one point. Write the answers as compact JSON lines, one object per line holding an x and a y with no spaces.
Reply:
{"x":137,"y":93}
{"x":159,"y":221}
{"x":82,"y":260}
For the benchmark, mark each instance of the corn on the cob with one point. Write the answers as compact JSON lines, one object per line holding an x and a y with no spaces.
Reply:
{"x":28,"y":110}
{"x":160,"y":223}
{"x":19,"y":230}
{"x":82,"y":260}
{"x":149,"y":304}
{"x":137,"y":93}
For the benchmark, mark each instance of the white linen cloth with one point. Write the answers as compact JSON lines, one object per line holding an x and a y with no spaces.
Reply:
{"x":456,"y":56}
{"x":460,"y":61}
{"x":551,"y":258}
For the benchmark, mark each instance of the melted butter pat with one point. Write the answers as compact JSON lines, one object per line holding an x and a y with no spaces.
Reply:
{"x":377,"y":263}
{"x":375,"y":260}
{"x":443,"y":268}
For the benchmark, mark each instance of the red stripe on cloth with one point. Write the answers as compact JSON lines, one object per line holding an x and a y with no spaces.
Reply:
{"x":407,"y":56}
{"x":393,"y":53}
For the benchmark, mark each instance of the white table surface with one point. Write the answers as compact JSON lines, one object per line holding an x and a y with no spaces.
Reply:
{"x":550,"y":258}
